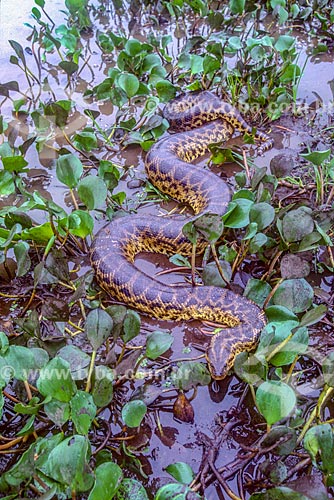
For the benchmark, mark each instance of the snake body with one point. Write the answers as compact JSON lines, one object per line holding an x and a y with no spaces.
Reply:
{"x":168,"y":167}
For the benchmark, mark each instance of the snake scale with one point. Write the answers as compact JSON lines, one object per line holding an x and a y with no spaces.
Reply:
{"x":200,"y":119}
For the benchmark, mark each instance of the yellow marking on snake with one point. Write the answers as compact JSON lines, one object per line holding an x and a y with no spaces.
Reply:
{"x":168,"y":167}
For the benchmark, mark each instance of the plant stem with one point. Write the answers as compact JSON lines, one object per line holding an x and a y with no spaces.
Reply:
{"x":90,"y":373}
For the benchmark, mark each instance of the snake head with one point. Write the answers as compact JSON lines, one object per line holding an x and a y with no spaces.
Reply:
{"x":225,"y":346}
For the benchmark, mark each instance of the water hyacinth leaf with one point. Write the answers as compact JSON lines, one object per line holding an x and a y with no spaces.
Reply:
{"x":129,"y":83}
{"x":85,"y":140}
{"x":68,"y":463}
{"x":280,"y":313}
{"x":295,"y":294}
{"x":70,"y":67}
{"x":7,"y":185}
{"x":157,"y":343}
{"x":14,"y":163}
{"x":77,"y":359}
{"x":319,"y":443}
{"x":237,"y":215}
{"x":328,"y":369}
{"x":80,"y":223}
{"x":21,"y":251}
{"x":251,"y":231}
{"x":313,"y":315}
{"x":257,"y":242}
{"x":179,"y":260}
{"x":297,"y":345}
{"x":83,"y":411}
{"x":133,"y":412}
{"x":176,"y":491}
{"x":189,"y":230}
{"x":211,"y":276}
{"x":130,"y":489}
{"x":249,"y":368}
{"x":166,"y":90}
{"x":262,"y":214}
{"x":108,"y":477}
{"x":98,"y":327}
{"x":55,"y":380}
{"x":275,"y":400}
{"x":190,"y":374}
{"x":297,"y":224}
{"x":293,"y":266}
{"x":317,"y":157}
{"x":180,"y":471}
{"x":69,"y":169}
{"x":40,"y":234}
{"x":210,"y":227}
{"x":279,"y":493}
{"x":257,"y":291}
{"x":285,"y":439}
{"x":103,"y":390}
{"x":131,"y":325}
{"x":4,"y":343}
{"x":58,"y":412}
{"x":92,"y":191}
{"x":18,"y":361}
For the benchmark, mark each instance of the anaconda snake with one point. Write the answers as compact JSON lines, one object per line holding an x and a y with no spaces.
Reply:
{"x":167,"y":165}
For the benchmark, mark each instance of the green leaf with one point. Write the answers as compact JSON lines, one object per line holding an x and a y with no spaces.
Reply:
{"x":85,"y":140}
{"x":237,"y":214}
{"x":176,"y":491}
{"x":328,"y":369}
{"x":275,"y":400}
{"x":249,"y":368}
{"x":284,"y":42}
{"x":285,"y":439}
{"x":314,"y":315}
{"x":70,"y":67}
{"x":180,"y":471}
{"x":108,"y":477}
{"x":166,"y":90}
{"x":297,"y":224}
{"x":7,"y":185}
{"x":129,"y":83}
{"x":295,"y":294}
{"x":68,"y":463}
{"x":133,"y":412}
{"x":319,"y":443}
{"x":55,"y":380}
{"x":210,"y":226}
{"x":102,"y":385}
{"x":262,"y":214}
{"x":190,"y":374}
{"x":80,"y":223}
{"x":69,"y":169}
{"x":211,"y":275}
{"x":98,"y":327}
{"x":92,"y":191}
{"x":317,"y":157}
{"x":257,"y":291}
{"x":131,"y":325}
{"x":130,"y":489}
{"x":237,"y":6}
{"x":280,"y":314}
{"x":21,"y":251}
{"x":157,"y":343}
{"x":58,"y":412}
{"x":83,"y":411}
{"x":14,"y":163}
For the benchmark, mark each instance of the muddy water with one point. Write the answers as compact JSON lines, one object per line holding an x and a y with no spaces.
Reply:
{"x":174,"y":441}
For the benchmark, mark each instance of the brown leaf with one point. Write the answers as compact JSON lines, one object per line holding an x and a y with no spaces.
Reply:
{"x":183,"y":410}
